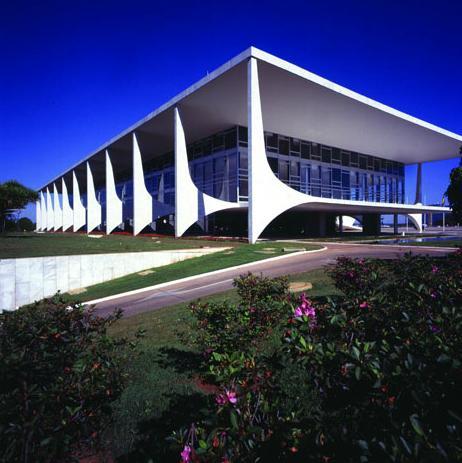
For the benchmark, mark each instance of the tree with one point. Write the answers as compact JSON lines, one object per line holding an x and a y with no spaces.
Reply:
{"x":454,"y":191}
{"x":14,"y":196}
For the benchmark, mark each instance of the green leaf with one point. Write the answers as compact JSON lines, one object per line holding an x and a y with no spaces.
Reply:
{"x":356,"y":353}
{"x":202,"y":444}
{"x":233,"y":418}
{"x":415,"y":422}
{"x":358,"y":373}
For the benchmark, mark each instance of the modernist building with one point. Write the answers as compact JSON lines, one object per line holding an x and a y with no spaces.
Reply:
{"x":258,"y":145}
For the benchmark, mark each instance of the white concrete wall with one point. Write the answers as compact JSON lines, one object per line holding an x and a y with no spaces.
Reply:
{"x":23,"y":281}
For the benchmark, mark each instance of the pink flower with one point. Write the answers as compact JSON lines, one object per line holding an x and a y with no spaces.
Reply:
{"x":305,"y":308}
{"x":186,"y":454}
{"x":228,"y":396}
{"x":364,"y":305}
{"x":220,"y":399}
{"x":298,"y":312}
{"x":433,"y":295}
{"x":434,"y":269}
{"x":231,"y":395}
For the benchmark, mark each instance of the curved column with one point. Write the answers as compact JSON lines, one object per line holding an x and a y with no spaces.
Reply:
{"x":79,"y":209}
{"x":50,"y":212}
{"x":113,"y":202}
{"x":58,"y":213}
{"x":38,"y":216}
{"x":43,"y":209}
{"x":68,"y":215}
{"x":268,"y":196}
{"x":191,"y":205}
{"x":142,"y":199}
{"x":93,"y":206}
{"x":416,"y":220}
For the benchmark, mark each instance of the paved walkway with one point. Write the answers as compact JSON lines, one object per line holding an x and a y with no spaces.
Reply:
{"x":205,"y":285}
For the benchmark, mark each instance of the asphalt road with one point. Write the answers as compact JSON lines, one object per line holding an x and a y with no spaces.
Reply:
{"x":175,"y":293}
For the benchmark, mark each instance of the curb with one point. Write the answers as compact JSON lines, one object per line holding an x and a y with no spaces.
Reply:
{"x":200,"y":275}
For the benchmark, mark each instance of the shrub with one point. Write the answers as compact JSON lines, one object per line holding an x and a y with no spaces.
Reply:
{"x":25,"y":224}
{"x":60,"y":373}
{"x":223,"y":327}
{"x":373,"y":376}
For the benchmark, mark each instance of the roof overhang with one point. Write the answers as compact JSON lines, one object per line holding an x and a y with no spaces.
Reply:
{"x":295,"y":102}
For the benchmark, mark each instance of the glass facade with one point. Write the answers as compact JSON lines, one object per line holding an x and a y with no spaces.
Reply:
{"x":219,"y":167}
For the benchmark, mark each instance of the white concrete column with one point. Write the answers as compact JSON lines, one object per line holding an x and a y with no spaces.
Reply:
{"x":50,"y":212}
{"x":43,"y":209}
{"x":38,"y":216}
{"x":191,"y":205}
{"x":268,"y":196}
{"x":79,"y":209}
{"x":113,"y":202}
{"x":417,"y":221}
{"x":58,"y":213}
{"x":93,"y":206}
{"x":142,"y":200}
{"x":68,"y":214}
{"x":418,"y":186}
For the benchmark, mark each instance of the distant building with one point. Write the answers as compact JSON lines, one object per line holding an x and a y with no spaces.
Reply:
{"x":259,"y":145}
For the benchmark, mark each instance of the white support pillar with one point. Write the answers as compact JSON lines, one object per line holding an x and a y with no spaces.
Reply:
{"x":43,"y":207}
{"x":93,"y":206}
{"x":68,"y":215}
{"x":191,"y":205}
{"x":58,"y":213}
{"x":79,"y":209}
{"x":268,"y":196}
{"x":38,"y":216}
{"x":50,"y":212}
{"x":113,"y":202}
{"x":142,"y":200}
{"x":416,"y":220}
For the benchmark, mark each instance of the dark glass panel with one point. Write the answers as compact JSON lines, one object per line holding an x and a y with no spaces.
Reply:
{"x":284,"y":145}
{"x":326,"y":154}
{"x":284,"y":170}
{"x":305,"y":150}
{"x":273,"y":162}
{"x":295,"y":145}
{"x":230,"y":139}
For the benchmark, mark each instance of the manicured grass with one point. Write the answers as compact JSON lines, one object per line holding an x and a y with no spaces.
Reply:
{"x":238,"y":255}
{"x":61,"y":244}
{"x":162,"y":378}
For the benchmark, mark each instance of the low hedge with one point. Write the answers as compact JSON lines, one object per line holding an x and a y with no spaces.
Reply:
{"x":60,"y":373}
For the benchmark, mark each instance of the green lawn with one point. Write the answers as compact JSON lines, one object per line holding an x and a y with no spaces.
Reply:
{"x":163,"y":394}
{"x":242,"y":254}
{"x":61,"y":244}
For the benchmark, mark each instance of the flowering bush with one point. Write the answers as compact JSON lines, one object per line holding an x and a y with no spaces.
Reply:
{"x":60,"y":373}
{"x":374,"y":376}
{"x":222,"y":328}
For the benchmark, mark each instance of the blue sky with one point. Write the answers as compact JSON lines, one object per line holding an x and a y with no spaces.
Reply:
{"x":75,"y":73}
